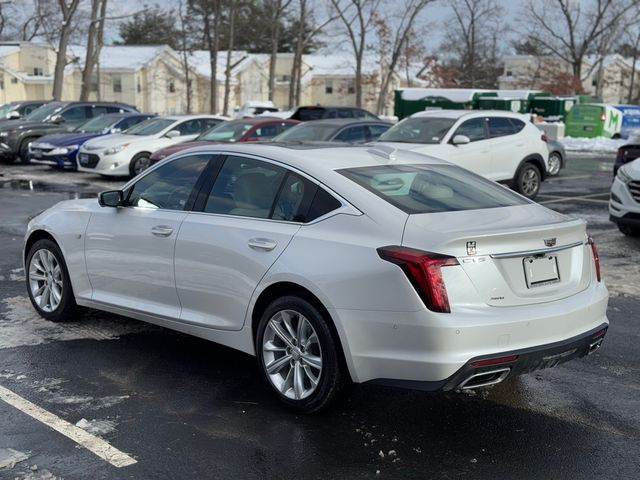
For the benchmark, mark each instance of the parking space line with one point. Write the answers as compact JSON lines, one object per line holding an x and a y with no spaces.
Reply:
{"x":575,"y":177}
{"x":577,"y":199}
{"x":96,"y":445}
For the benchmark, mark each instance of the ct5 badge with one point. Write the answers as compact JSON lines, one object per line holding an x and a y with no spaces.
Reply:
{"x":471,"y":248}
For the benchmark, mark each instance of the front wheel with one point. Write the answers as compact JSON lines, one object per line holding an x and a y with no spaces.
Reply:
{"x":24,"y":150}
{"x":139,"y":164}
{"x":298,"y":355}
{"x":527,"y":181}
{"x":555,"y":164}
{"x":48,"y":282}
{"x":628,"y":230}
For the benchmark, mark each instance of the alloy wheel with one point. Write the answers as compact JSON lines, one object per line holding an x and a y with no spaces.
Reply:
{"x":292,"y":354}
{"x":45,"y":280}
{"x":141,"y":164}
{"x":554,"y":164}
{"x":530,"y":182}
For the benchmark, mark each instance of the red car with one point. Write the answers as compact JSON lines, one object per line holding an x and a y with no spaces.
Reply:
{"x":241,"y":130}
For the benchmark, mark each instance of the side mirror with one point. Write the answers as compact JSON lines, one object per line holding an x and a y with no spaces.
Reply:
{"x":172,"y":134}
{"x":57,"y":119}
{"x":13,"y":115}
{"x":110,"y":198}
{"x":461,"y":140}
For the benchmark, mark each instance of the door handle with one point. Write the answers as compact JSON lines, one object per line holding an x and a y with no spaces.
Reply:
{"x":264,"y":244}
{"x":162,"y":231}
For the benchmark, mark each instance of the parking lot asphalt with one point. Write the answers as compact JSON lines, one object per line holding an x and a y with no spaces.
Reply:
{"x":181,"y":407}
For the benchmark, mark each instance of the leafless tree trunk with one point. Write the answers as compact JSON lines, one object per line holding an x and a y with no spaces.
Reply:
{"x":184,"y":51}
{"x":68,"y":10}
{"x":277,"y":8}
{"x":94,"y":46}
{"x":403,"y":28}
{"x":634,"y":60}
{"x":227,"y":78}
{"x":568,"y":29}
{"x":357,"y":18}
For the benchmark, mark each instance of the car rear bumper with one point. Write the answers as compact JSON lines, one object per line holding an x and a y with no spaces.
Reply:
{"x":488,"y":370}
{"x":431,"y":348}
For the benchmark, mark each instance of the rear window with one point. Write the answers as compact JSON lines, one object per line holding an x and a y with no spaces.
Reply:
{"x":432,"y":188}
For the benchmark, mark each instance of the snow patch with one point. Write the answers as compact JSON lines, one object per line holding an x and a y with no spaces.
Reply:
{"x":10,"y":457}
{"x":598,"y":144}
{"x":97,"y":427}
{"x":22,"y":326}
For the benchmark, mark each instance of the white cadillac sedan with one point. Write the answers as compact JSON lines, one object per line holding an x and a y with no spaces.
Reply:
{"x":128,"y":153}
{"x":330,"y":265}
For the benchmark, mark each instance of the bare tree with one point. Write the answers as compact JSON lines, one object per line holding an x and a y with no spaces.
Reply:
{"x":357,"y":19}
{"x":95,"y":41}
{"x":208,"y":14}
{"x":68,"y":10}
{"x":569,"y":29}
{"x":393,"y":37}
{"x":277,"y":9}
{"x":634,"y":42}
{"x":184,"y":55}
{"x":227,"y":77}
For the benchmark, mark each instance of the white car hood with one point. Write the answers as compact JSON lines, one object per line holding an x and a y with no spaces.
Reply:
{"x":633,"y":169}
{"x":117,"y":139}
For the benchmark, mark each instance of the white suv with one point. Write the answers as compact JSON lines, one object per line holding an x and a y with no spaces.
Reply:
{"x":624,"y":203}
{"x":501,"y":146}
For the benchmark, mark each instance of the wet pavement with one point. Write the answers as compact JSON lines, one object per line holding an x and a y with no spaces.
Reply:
{"x":186,"y":408}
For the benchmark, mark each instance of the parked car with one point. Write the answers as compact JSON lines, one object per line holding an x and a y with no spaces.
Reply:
{"x":128,"y":153}
{"x":331,"y":265}
{"x":59,"y":150}
{"x":501,"y":146}
{"x":591,"y":120}
{"x":557,"y":157}
{"x":624,"y":202}
{"x":16,"y":110}
{"x":630,"y":120}
{"x":253,"y":108}
{"x":54,"y":117}
{"x":317,"y":112}
{"x":627,"y":153}
{"x":244,"y":130}
{"x":338,"y":130}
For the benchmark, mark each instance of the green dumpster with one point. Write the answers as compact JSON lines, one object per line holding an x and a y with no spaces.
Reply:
{"x":411,"y":100}
{"x":552,"y":108}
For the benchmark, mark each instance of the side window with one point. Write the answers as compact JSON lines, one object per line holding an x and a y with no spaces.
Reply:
{"x":331,"y":114}
{"x":474,"y":129}
{"x":518,"y":125}
{"x":245,"y":187}
{"x":210,"y":123}
{"x":322,"y":204}
{"x":352,"y":134}
{"x":281,"y":127}
{"x":376,"y":130}
{"x":113,"y":109}
{"x":97,"y":110}
{"x":75,"y":114}
{"x":266,"y":131}
{"x":130,"y":122}
{"x":169,"y":186}
{"x":345,"y":113}
{"x":500,"y":127}
{"x":190,"y":127}
{"x":294,"y":199}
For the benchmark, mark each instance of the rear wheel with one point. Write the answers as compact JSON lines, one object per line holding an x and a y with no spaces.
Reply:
{"x":24,"y":150}
{"x":48,"y":282}
{"x":555,"y":163}
{"x":298,"y":355}
{"x":527,"y":181}
{"x":139,"y":164}
{"x":628,"y":230}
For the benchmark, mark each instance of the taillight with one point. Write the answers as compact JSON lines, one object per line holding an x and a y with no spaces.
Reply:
{"x":620,"y":153}
{"x":423,"y":270}
{"x":596,"y":258}
{"x":544,"y":138}
{"x":603,"y":116}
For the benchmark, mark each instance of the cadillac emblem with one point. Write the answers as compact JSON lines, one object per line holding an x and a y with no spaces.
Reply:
{"x":471,"y":248}
{"x":550,"y":242}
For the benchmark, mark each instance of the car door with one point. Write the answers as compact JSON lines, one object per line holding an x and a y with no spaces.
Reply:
{"x":507,"y":148}
{"x":243,"y":225}
{"x":129,"y":249}
{"x":475,"y":155}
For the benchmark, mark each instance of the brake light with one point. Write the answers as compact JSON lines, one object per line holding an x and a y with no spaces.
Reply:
{"x":596,"y":258}
{"x":544,"y":138}
{"x":619,"y":153}
{"x":423,"y":270}
{"x":603,"y":116}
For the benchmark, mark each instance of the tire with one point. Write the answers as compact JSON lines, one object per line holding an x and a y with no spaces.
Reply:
{"x":616,"y":136}
{"x":527,"y":180}
{"x":555,"y":164}
{"x":139,"y":164}
{"x":24,"y":150}
{"x":628,"y":230}
{"x":46,"y":261}
{"x":304,"y":357}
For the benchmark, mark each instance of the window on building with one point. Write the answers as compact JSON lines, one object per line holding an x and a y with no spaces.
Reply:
{"x":37,"y":71}
{"x":284,"y":78}
{"x":509,"y":73}
{"x":172,"y":86}
{"x":93,"y":82}
{"x":14,"y":80}
{"x":139,"y":87}
{"x":328,"y":87}
{"x":351,"y":86}
{"x":116,"y":81}
{"x":2,"y":82}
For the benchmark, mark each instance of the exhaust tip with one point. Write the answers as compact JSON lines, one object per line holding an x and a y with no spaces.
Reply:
{"x":484,"y":379}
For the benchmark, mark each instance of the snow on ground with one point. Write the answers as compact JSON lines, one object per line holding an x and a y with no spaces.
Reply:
{"x":596,"y":145}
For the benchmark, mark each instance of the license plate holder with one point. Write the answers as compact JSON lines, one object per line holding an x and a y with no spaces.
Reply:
{"x":540,"y":271}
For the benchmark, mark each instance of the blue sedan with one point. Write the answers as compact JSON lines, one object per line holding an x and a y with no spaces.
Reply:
{"x":59,"y":150}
